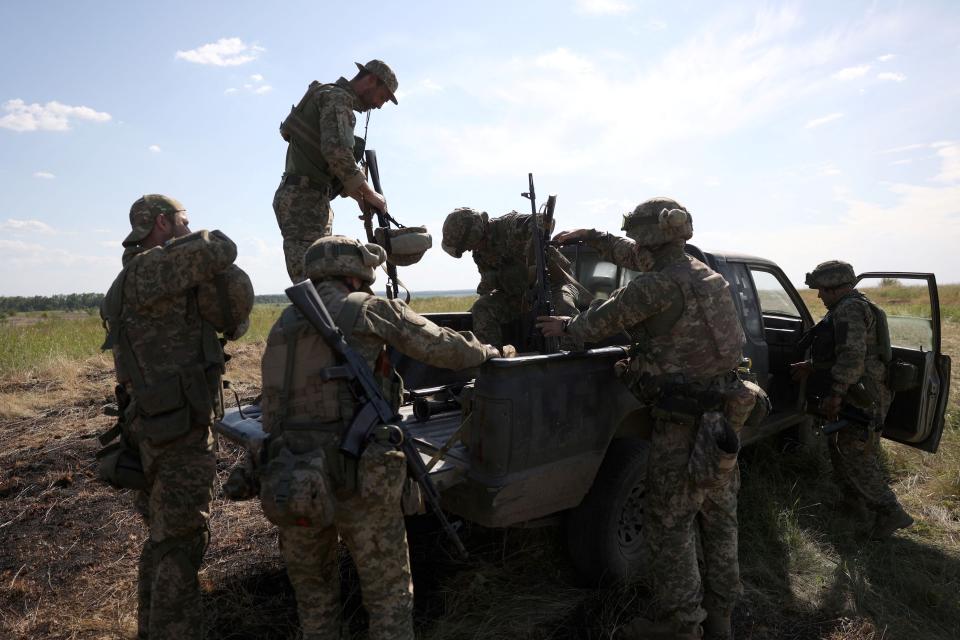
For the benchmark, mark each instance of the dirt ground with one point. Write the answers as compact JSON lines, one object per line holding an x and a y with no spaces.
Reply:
{"x":69,"y":546}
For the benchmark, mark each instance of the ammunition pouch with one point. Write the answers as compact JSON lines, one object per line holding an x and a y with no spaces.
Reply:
{"x":714,"y":453}
{"x":295,"y":487}
{"x":168,"y":410}
{"x":382,"y":473}
{"x":119,"y":463}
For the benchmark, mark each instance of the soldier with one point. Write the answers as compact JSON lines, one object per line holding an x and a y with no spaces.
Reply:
{"x":503,"y":252}
{"x":322,"y":157}
{"x":177,"y":289}
{"x":688,"y":343}
{"x":312,"y":491}
{"x":848,"y":365}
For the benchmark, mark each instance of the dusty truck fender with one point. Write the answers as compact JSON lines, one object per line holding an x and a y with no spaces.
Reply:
{"x":541,"y":428}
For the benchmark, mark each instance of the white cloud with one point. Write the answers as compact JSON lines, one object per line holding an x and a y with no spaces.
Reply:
{"x":46,"y":175}
{"x":563,"y":59}
{"x":53,"y":116}
{"x":950,"y":165}
{"x":656,"y":25}
{"x":604,"y":7}
{"x":891,"y":77}
{"x":887,"y":57}
{"x":256,"y":77}
{"x":817,"y":122}
{"x":263,"y":89}
{"x":899,"y":162}
{"x":829,"y":169}
{"x":154,"y":148}
{"x":230,"y":90}
{"x":225,"y":52}
{"x":26,"y":226}
{"x":909,"y":147}
{"x":851,"y":73}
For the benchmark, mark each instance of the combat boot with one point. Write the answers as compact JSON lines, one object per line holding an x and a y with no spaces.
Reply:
{"x":643,"y":629}
{"x":888,"y":521}
{"x":718,"y":624}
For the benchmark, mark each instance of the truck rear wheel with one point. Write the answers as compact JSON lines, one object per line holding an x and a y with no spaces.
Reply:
{"x":604,"y":532}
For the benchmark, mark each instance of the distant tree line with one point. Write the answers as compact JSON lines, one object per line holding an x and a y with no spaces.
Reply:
{"x":80,"y":301}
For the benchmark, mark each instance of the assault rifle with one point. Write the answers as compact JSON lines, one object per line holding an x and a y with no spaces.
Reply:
{"x":848,"y":416}
{"x":541,"y":300}
{"x":383,"y":221}
{"x":375,"y":409}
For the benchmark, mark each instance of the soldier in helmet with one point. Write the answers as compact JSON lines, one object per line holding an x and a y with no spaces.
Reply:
{"x":322,"y":157}
{"x":688,"y":343}
{"x":176,"y":291}
{"x":850,"y":351}
{"x":503,"y":252}
{"x":312,"y":491}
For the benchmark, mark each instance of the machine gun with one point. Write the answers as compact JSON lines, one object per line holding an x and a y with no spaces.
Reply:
{"x":375,"y":409}
{"x":541,"y":300}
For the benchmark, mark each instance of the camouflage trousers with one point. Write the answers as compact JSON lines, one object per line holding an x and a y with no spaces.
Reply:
{"x":369,"y":522}
{"x":499,"y":308}
{"x":176,"y":506}
{"x":856,"y":467}
{"x":677,"y":510}
{"x":304,"y":215}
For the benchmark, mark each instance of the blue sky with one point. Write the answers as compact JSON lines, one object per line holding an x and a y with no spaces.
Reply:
{"x":795,"y":131}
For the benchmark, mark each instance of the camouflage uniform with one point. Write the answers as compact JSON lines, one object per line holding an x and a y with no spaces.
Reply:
{"x":170,"y":362}
{"x":321,"y":163}
{"x":504,"y":254}
{"x":848,"y":350}
{"x":688,"y":342}
{"x":364,"y":495}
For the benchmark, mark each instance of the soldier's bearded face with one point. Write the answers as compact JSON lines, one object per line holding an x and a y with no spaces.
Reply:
{"x":375,"y":94}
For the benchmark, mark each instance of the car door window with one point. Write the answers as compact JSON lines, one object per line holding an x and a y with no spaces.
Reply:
{"x":774,"y":298}
{"x":907,"y":305}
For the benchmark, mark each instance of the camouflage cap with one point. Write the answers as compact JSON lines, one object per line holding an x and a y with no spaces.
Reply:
{"x":341,"y":256}
{"x":658,"y":221}
{"x":831,"y":274}
{"x":463,"y":230}
{"x":143,"y":213}
{"x":384,"y":73}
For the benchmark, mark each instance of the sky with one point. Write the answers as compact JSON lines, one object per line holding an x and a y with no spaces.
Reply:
{"x":798,"y":131}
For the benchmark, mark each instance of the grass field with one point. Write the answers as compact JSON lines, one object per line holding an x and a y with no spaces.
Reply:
{"x":68,"y":543}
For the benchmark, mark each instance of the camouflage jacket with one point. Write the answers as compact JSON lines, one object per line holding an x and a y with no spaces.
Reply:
{"x":855,"y":358}
{"x":680,"y":315}
{"x":160,"y":343}
{"x":376,"y":324}
{"x":616,"y":249}
{"x":507,"y":262}
{"x":331,"y":109}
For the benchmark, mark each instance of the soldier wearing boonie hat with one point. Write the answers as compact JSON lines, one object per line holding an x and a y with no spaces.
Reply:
{"x":323,"y":157}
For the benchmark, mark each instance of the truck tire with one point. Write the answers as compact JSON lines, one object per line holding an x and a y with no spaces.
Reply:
{"x":604,"y":532}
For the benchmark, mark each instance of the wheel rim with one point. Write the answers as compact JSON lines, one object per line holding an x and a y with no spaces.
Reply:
{"x":630,"y":529}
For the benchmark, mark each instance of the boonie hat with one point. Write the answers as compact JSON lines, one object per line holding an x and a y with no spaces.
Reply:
{"x":386,"y":75}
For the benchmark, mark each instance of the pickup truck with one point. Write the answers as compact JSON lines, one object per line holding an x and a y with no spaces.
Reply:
{"x":556,"y":438}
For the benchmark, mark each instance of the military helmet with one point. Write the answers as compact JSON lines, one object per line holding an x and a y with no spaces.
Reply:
{"x":226,"y":300}
{"x":831,"y":274}
{"x":463,"y":230}
{"x":340,"y":256}
{"x":405,"y":246}
{"x":658,"y":221}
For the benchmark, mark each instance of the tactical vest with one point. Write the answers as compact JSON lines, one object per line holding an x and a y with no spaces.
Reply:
{"x":302,"y":126}
{"x":699,"y":340}
{"x":822,"y":338}
{"x":301,"y":392}
{"x":170,"y":405}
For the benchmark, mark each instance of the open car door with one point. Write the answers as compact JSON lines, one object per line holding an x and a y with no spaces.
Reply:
{"x":912,"y":305}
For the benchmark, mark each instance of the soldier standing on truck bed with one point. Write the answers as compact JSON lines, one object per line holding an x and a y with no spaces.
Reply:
{"x":503,"y":252}
{"x":323,"y":156}
{"x":688,"y":343}
{"x":176,"y":291}
{"x":311,"y":490}
{"x":850,"y":352}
